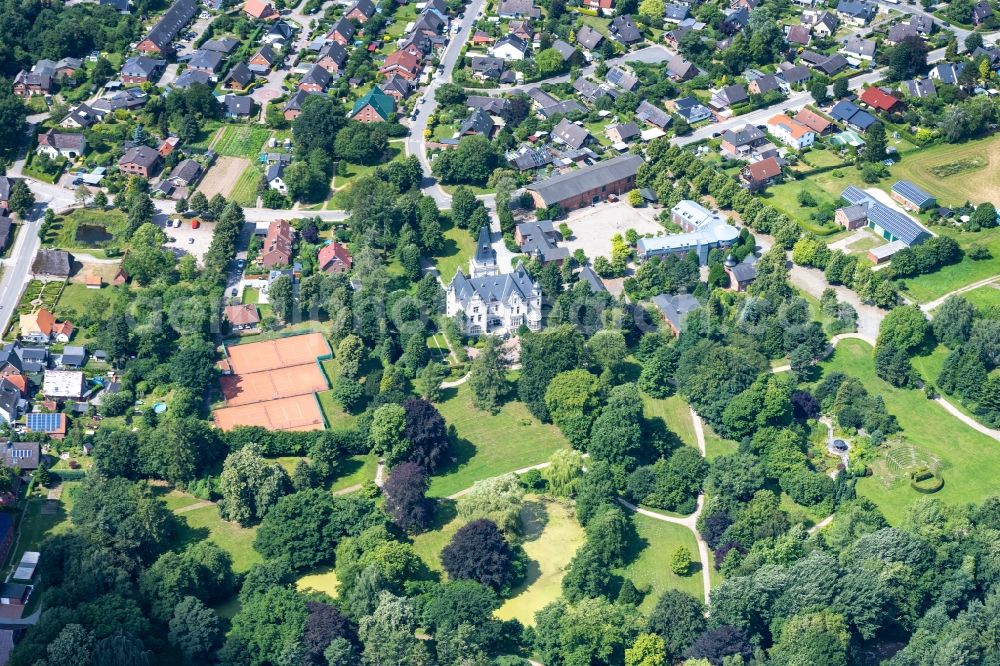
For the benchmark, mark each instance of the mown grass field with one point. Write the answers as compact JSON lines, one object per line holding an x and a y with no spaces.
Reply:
{"x":984,"y":297}
{"x":825,"y":189}
{"x":969,"y":461}
{"x":459,"y":246}
{"x":969,"y":184}
{"x":489,"y":445}
{"x":242,"y":141}
{"x":342,"y":184}
{"x":675,"y":413}
{"x":244,"y":191}
{"x":205,"y":523}
{"x":649,"y":565}
{"x":924,"y":288}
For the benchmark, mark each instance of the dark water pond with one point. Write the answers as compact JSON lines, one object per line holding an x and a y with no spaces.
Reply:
{"x":92,"y":234}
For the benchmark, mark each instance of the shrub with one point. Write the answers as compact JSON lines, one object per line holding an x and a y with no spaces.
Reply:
{"x":925,"y":481}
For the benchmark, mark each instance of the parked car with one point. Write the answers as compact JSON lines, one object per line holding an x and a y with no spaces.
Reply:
{"x":190,"y":241}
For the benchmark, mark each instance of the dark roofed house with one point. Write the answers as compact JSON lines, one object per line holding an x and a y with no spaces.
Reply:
{"x":946,"y":72}
{"x":189,"y":78}
{"x":397,"y":87}
{"x":624,"y":30}
{"x":760,"y":174}
{"x":623,"y":78}
{"x":798,"y":34}
{"x":795,"y":75}
{"x":741,"y":273}
{"x":674,"y":309}
{"x":493,"y":105}
{"x":315,"y":80}
{"x":981,"y":11}
{"x":206,"y":61}
{"x":623,"y":133}
{"x":139,"y":161}
{"x":675,"y":12}
{"x":589,"y":185}
{"x":361,"y":11}
{"x":589,"y":38}
{"x":680,"y":69}
{"x":141,"y":69}
{"x":728,"y":96}
{"x":565,"y":106}
{"x":263,"y":60}
{"x":161,"y":35}
{"x":61,"y":144}
{"x":856,"y":12}
{"x":479,"y":122}
{"x":833,"y":65}
{"x":223,"y":45}
{"x":920,"y":88}
{"x":293,"y":107}
{"x":571,"y":134}
{"x":186,"y":172}
{"x":238,"y":106}
{"x":527,"y":157}
{"x":741,"y":142}
{"x":487,"y":67}
{"x":593,"y":280}
{"x":859,"y":48}
{"x":22,"y":455}
{"x":764,"y":84}
{"x":518,"y":9}
{"x":239,"y":77}
{"x":6,"y":224}
{"x":332,"y":57}
{"x":538,"y":239}
{"x":652,"y":115}
{"x":589,"y":90}
{"x":565,"y":49}
{"x":735,"y":20}
{"x":901,"y":31}
{"x":342,"y":32}
{"x":888,"y":223}
{"x":691,"y":109}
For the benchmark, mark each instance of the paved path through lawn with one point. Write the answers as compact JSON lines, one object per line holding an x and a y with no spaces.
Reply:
{"x":194,"y":507}
{"x":927,"y":307}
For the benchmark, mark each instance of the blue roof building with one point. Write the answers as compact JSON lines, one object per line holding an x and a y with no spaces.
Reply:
{"x":911,"y":197}
{"x":888,"y":223}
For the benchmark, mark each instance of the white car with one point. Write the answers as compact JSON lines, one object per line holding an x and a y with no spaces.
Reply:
{"x":204,"y":15}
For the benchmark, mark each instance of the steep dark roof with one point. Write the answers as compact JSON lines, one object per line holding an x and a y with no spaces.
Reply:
{"x":566,"y":185}
{"x":171,"y":22}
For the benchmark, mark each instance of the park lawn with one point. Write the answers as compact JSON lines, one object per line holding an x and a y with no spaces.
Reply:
{"x":428,"y":544}
{"x":341,"y":184}
{"x":552,"y":536}
{"x":321,"y":580}
{"x":176,"y":499}
{"x":649,"y":561}
{"x":244,"y":190}
{"x":969,"y":460}
{"x":975,"y":166}
{"x":355,"y":470}
{"x":675,"y":413}
{"x":62,"y":233}
{"x":489,"y":445}
{"x":715,"y":445}
{"x":459,"y":247}
{"x":947,"y":279}
{"x":206,"y":523}
{"x":985,"y":296}
{"x":242,"y":141}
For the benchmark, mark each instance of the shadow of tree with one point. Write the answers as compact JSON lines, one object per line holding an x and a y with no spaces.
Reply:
{"x":534,"y":518}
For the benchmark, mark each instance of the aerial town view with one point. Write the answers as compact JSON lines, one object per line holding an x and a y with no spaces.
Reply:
{"x":500,"y":332}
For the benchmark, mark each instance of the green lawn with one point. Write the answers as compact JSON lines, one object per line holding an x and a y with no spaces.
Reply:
{"x":342,"y":184}
{"x":176,"y":499}
{"x":969,"y":461}
{"x":64,"y":232}
{"x":552,"y":535}
{"x":675,"y":413}
{"x":322,"y":580}
{"x":596,"y":22}
{"x":245,"y":189}
{"x":649,"y":566}
{"x":824,"y":187}
{"x":205,"y":523}
{"x":459,"y":246}
{"x":355,"y":470}
{"x":984,"y":297}
{"x":242,"y":141}
{"x":336,"y":417}
{"x":36,"y":526}
{"x":489,"y":445}
{"x":251,"y":295}
{"x":928,"y":287}
{"x":980,"y":181}
{"x":716,"y":446}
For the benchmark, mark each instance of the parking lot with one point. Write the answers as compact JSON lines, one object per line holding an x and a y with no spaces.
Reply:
{"x":186,"y":240}
{"x":593,"y":227}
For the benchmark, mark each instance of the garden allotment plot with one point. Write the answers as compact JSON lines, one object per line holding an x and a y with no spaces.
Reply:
{"x":273,"y":384}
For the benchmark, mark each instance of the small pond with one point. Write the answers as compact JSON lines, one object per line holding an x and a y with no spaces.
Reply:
{"x":92,"y":234}
{"x":840,"y":445}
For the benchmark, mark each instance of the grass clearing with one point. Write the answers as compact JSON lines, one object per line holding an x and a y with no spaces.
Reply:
{"x":956,"y":173}
{"x":322,"y":580}
{"x":205,"y":523}
{"x":459,"y":247}
{"x":968,"y":459}
{"x":488,"y":445}
{"x":552,"y":535}
{"x":924,"y":288}
{"x":648,"y":567}
{"x":716,"y":446}
{"x":985,"y":296}
{"x":242,"y":141}
{"x":341,"y":184}
{"x":244,"y":191}
{"x":675,"y":413}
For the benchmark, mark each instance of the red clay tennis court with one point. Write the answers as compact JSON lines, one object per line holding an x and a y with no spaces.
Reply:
{"x":273,"y":384}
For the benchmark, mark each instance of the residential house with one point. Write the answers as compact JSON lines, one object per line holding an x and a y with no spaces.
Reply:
{"x":139,"y":161}
{"x":6,"y":224}
{"x":492,"y":105}
{"x":160,"y":37}
{"x":728,"y":96}
{"x":333,"y":56}
{"x":848,"y":112}
{"x":185,"y":173}
{"x":981,"y":11}
{"x":817,"y":123}
{"x":361,"y":11}
{"x":946,"y":72}
{"x":480,"y":38}
{"x":825,"y":25}
{"x":588,"y":185}
{"x":884,"y":220}
{"x":863,"y":49}
{"x":622,"y":78}
{"x":277,"y":249}
{"x":702,"y":231}
{"x":82,"y":117}
{"x":24,"y":456}
{"x":190,"y":77}
{"x":510,"y":47}
{"x":487,"y":67}
{"x":674,"y":309}
{"x":901,"y":31}
{"x":129,"y":98}
{"x":275,"y":177}
{"x":680,"y":69}
{"x":222,"y":45}
{"x":604,"y":7}
{"x":64,"y":384}
{"x":342,"y":32}
{"x":588,"y":38}
{"x":374,"y":107}
{"x":496,"y":304}
{"x":691,"y":110}
{"x":652,"y":115}
{"x":565,"y":49}
{"x":852,"y":217}
{"x":880,"y":100}
{"x":404,"y":64}
{"x":239,"y":77}
{"x":479,"y":122}
{"x":16,"y":358}
{"x":522,"y":28}
{"x":565,"y":107}
{"x":675,"y":12}
{"x":397,"y":88}
{"x":570,"y":134}
{"x":590,"y":91}
{"x":62,"y":331}
{"x":293,"y":107}
{"x":920,"y":88}
{"x":263,"y":60}
{"x":790,"y":132}
{"x":315,"y":80}
{"x":741,"y":143}
{"x":735,"y":20}
{"x":73,"y":356}
{"x":335,"y":258}
{"x":206,"y":61}
{"x":621,"y":134}
{"x":794,"y":75}
{"x":759,"y":175}
{"x":280,"y":32}
{"x":28,"y":84}
{"x":11,"y":401}
{"x":856,"y":12}
{"x":538,"y":240}
{"x":518,"y":9}
{"x":140,"y":69}
{"x":741,"y":273}
{"x":61,"y":144}
{"x":261,"y":10}
{"x":624,"y":30}
{"x":36,"y":327}
{"x":798,"y":35}
{"x":833,"y":65}
{"x":51,"y":264}
{"x":765,"y":84}
{"x":526,"y":157}
{"x":910,"y":196}
{"x":242,"y":317}
{"x":484,"y":261}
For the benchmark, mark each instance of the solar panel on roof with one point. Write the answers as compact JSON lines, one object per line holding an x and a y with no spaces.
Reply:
{"x":911,"y":192}
{"x":44,"y":422}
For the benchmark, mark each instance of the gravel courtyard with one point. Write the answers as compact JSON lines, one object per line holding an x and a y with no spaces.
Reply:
{"x":593,"y":227}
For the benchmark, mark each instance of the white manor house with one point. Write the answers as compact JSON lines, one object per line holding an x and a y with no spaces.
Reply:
{"x":494,"y":303}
